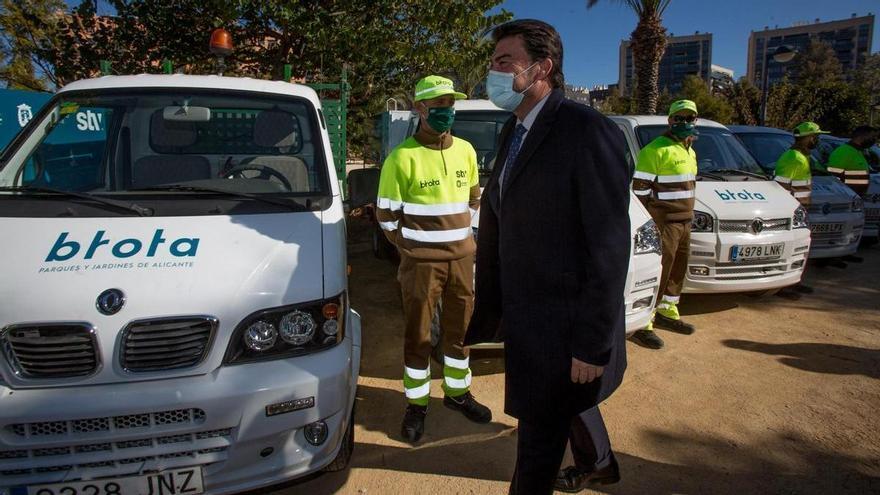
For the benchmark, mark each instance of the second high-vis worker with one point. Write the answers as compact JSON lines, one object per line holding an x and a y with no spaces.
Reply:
{"x":849,"y":163}
{"x":664,"y":182}
{"x":428,"y":193}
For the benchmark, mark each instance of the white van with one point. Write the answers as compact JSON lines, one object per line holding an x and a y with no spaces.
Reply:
{"x":480,"y":122}
{"x":836,"y":213}
{"x":748,"y":233}
{"x":175,"y":316}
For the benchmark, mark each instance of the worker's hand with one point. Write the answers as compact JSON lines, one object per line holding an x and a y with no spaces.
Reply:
{"x":582,"y":372}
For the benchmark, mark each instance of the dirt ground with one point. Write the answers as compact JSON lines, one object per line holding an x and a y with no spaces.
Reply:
{"x":770,"y":396}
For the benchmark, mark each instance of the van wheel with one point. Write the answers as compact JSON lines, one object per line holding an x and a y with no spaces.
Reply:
{"x":382,"y":248}
{"x":437,"y":337}
{"x":344,"y":456}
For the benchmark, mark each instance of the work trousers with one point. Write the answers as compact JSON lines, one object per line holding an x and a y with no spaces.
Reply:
{"x":676,"y":239}
{"x":423,"y":284}
{"x":540,"y":448}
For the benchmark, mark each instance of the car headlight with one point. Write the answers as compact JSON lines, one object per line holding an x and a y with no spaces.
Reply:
{"x":288,"y":331}
{"x":647,"y":239}
{"x":857,"y":204}
{"x":702,"y":222}
{"x":799,"y":219}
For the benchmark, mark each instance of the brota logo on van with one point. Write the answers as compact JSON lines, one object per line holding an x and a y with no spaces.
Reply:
{"x":66,"y":248}
{"x":744,"y":195}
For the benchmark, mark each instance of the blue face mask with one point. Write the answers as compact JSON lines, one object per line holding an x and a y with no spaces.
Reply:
{"x":499,"y":85}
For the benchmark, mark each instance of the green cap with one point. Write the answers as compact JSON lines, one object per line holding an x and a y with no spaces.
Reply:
{"x":808,"y":129}
{"x":680,"y":105}
{"x":434,"y":86}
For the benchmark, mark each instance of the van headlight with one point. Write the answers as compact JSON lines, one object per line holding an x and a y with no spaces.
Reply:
{"x":857,"y":204}
{"x":702,"y":222}
{"x":647,"y":239}
{"x":799,"y":219}
{"x":288,"y":331}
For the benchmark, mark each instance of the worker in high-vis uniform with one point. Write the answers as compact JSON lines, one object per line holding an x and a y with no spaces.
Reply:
{"x":793,"y":171}
{"x":665,"y":181}
{"x":429,"y":192}
{"x":849,"y":161}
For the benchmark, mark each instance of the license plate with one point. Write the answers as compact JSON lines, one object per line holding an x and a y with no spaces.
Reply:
{"x":177,"y":482}
{"x":760,"y":251}
{"x":826,"y":228}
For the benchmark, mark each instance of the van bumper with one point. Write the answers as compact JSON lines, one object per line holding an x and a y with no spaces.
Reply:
{"x":641,"y":296}
{"x":218,"y":422}
{"x":712,"y":271}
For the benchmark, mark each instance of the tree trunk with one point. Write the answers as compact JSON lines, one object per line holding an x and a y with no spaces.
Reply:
{"x":648,"y":43}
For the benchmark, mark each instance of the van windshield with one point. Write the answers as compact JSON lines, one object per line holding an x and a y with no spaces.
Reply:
{"x":481,"y":129}
{"x":125,"y":142}
{"x":717,"y":149}
{"x":766,"y":147}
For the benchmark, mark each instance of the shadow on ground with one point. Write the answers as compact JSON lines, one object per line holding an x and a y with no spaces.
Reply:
{"x":832,"y":359}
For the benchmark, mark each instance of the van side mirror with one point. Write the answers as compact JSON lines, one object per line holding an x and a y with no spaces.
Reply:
{"x":363,"y":187}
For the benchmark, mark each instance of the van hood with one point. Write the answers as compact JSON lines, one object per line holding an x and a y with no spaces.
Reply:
{"x":207,"y":265}
{"x":744,"y":200}
{"x":828,"y":189}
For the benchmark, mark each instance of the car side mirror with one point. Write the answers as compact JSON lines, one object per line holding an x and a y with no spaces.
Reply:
{"x":363,"y":187}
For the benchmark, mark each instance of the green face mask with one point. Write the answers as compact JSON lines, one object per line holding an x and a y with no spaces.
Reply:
{"x":441,"y":118}
{"x":683,"y":130}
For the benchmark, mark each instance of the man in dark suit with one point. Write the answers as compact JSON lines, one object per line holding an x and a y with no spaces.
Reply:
{"x":552,"y":255}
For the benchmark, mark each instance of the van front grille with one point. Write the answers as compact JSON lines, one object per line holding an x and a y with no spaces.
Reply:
{"x":166,"y":343}
{"x":51,"y":350}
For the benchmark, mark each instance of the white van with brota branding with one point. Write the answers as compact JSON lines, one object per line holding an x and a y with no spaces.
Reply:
{"x":175,"y":316}
{"x":748,"y":233}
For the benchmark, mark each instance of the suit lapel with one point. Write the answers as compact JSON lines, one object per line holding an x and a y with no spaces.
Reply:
{"x":540,"y":128}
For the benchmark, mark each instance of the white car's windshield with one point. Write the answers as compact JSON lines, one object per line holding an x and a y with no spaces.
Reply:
{"x":131,"y":141}
{"x":717,"y":149}
{"x":766,"y":147}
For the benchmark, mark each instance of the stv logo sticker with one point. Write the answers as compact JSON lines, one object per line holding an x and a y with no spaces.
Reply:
{"x":24,"y":114}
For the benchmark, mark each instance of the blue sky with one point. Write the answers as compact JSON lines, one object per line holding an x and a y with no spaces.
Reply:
{"x":592,"y":38}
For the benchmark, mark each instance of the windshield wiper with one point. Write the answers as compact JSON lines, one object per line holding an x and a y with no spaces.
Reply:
{"x":710,"y":175}
{"x":187,"y":188}
{"x":734,"y":171}
{"x":130,"y":207}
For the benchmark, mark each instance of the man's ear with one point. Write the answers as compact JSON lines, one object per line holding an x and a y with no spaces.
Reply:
{"x":546,"y":66}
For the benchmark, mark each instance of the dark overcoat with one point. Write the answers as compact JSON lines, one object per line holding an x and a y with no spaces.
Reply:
{"x":552,"y":258}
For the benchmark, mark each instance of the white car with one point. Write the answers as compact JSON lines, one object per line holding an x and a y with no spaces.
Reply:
{"x":836,"y":214}
{"x":175,"y":309}
{"x":480,"y":123}
{"x":748,"y":233}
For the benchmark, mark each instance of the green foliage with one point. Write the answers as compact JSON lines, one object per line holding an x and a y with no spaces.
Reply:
{"x":26,"y":28}
{"x":745,"y":102}
{"x":386,"y":45}
{"x":710,"y":106}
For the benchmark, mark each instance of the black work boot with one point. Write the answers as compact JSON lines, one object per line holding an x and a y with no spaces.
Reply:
{"x":677,"y":326}
{"x":573,"y":480}
{"x":647,"y":338}
{"x":414,"y":422}
{"x":469,"y":406}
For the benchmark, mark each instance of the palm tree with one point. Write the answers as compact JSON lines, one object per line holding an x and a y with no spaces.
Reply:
{"x":648,"y":43}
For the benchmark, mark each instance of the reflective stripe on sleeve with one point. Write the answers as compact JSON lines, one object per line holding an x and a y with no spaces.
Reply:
{"x":389,"y":204}
{"x":803,"y":194}
{"x":675,"y":195}
{"x":835,"y":170}
{"x":642,"y":192}
{"x":665,"y":179}
{"x":855,"y":181}
{"x":644,"y":176}
{"x":857,"y":173}
{"x":435,"y":210}
{"x":782,"y":180}
{"x":436,"y":235}
{"x":389,"y":226}
{"x":799,"y":183}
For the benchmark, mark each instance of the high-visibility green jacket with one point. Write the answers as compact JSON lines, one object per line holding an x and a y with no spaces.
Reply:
{"x":793,"y":173}
{"x":665,"y":179}
{"x":427,"y":199}
{"x":850,"y":165}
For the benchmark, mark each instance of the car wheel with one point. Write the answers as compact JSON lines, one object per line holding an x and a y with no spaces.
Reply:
{"x":344,"y":456}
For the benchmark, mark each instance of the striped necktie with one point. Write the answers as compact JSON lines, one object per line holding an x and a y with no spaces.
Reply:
{"x":515,"y":145}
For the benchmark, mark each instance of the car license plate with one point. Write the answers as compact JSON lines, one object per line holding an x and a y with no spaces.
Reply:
{"x":826,"y":228}
{"x":177,"y":482}
{"x":759,"y":251}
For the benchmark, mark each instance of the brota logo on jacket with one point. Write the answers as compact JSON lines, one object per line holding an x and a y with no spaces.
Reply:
{"x":744,"y":195}
{"x":66,"y":249}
